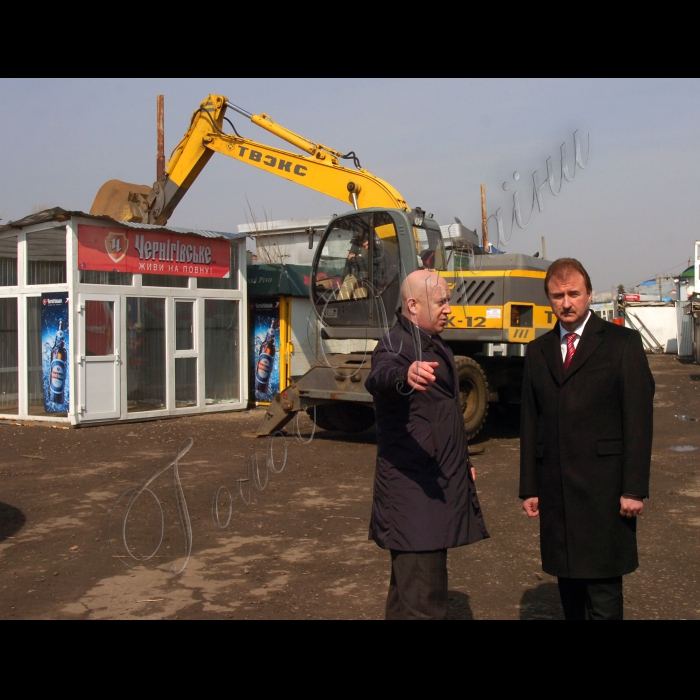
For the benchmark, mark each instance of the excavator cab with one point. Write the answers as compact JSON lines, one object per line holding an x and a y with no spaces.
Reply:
{"x":360,"y":264}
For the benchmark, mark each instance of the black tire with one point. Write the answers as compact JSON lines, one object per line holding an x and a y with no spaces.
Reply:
{"x":323,"y":417}
{"x":343,"y":417}
{"x":474,"y":395}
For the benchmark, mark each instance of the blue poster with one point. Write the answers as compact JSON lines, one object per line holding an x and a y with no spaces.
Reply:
{"x":264,"y":351}
{"x":55,"y":344}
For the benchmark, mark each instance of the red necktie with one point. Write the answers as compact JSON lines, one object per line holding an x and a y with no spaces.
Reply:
{"x":571,"y":338}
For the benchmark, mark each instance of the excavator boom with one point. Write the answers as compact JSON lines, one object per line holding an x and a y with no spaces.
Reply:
{"x":319,"y":170}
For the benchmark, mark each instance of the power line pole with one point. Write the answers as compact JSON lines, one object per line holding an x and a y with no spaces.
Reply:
{"x":484,"y":221}
{"x":160,"y":160}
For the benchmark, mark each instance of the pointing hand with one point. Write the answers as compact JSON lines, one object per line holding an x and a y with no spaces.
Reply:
{"x":421,"y":375}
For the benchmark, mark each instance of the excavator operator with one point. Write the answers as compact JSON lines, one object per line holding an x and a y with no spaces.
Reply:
{"x":358,"y":259}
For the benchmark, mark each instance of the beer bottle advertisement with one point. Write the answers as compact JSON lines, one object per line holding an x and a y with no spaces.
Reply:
{"x":265,"y":351}
{"x":55,"y":351}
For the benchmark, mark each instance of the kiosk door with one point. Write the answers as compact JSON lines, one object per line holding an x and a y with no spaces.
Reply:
{"x":100,"y":360}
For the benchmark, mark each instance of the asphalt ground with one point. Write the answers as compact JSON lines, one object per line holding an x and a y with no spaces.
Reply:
{"x":298,"y":549}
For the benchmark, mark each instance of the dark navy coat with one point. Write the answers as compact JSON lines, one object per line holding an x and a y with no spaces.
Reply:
{"x":424,"y":496}
{"x":586,"y":440}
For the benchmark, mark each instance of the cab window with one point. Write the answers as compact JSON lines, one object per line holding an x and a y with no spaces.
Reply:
{"x":430,"y":249}
{"x":359,"y":259}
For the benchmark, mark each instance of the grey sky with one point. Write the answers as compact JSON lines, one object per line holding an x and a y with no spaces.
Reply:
{"x":627,"y":217}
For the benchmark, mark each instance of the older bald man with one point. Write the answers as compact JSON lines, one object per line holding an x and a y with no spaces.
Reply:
{"x":425,"y":499}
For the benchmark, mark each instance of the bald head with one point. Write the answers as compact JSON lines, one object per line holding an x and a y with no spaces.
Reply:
{"x":426,"y":301}
{"x":419,"y":283}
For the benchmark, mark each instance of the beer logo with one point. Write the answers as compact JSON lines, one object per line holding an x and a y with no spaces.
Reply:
{"x":117,"y":245}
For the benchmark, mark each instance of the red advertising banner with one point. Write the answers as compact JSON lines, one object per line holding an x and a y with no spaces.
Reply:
{"x":152,"y":253}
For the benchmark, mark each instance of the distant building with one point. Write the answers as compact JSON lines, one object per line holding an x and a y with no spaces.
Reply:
{"x":661,"y":289}
{"x":693,"y":307}
{"x":686,"y":285}
{"x":288,"y":242}
{"x":607,"y":310}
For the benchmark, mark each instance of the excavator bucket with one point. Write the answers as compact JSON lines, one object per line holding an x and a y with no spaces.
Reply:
{"x":118,"y":200}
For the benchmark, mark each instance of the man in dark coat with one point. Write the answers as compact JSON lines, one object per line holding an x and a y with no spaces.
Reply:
{"x":425,"y":500}
{"x":586,"y":440}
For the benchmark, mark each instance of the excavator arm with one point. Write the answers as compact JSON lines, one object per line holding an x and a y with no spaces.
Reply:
{"x":320,"y":170}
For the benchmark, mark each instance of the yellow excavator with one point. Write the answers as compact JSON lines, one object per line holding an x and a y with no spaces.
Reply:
{"x":498,"y":301}
{"x":320,"y":170}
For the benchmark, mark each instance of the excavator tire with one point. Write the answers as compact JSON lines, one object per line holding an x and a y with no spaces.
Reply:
{"x":323,"y":417}
{"x":343,"y":417}
{"x":474,"y":391}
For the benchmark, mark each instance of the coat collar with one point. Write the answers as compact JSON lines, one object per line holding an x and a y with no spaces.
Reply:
{"x":590,"y":341}
{"x":426,"y":340}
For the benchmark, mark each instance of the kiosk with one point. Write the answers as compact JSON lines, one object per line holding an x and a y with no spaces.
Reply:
{"x":102,"y":320}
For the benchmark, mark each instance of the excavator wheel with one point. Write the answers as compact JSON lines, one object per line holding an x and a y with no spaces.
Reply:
{"x":474,"y":394}
{"x":343,"y":417}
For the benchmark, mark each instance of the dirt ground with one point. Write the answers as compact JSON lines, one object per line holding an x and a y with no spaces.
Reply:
{"x":299,"y":550}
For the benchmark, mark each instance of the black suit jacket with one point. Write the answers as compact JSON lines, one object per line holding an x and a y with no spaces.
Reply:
{"x":586,"y":439}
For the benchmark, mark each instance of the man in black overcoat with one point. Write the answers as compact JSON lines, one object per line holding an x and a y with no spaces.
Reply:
{"x":425,"y":500}
{"x":586,"y":440}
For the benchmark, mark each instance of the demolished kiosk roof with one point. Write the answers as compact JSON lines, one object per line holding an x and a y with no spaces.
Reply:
{"x":58,"y":214}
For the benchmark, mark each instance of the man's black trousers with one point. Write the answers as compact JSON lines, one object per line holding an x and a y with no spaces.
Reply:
{"x":592,"y":599}
{"x":418,"y":589}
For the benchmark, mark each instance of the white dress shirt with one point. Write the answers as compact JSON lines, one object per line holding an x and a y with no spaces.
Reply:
{"x":579,"y":332}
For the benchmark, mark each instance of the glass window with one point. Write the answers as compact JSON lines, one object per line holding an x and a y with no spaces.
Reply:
{"x":165,"y":281}
{"x":145,"y":364}
{"x":231,"y":282}
{"x":344,"y":267}
{"x":9,"y":355}
{"x":359,"y":257}
{"x":38,"y":389}
{"x":186,"y":382}
{"x":221,"y":380}
{"x":385,"y":261}
{"x":99,"y":328}
{"x":117,"y":279}
{"x":8,"y":261}
{"x":184,"y":325}
{"x":430,"y":248}
{"x":46,"y":256}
